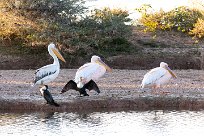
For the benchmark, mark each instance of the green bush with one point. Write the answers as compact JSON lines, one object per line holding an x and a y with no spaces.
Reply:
{"x":37,"y":23}
{"x":99,"y":30}
{"x":180,"y":19}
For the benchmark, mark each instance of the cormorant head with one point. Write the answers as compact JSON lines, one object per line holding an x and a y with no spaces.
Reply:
{"x":45,"y":87}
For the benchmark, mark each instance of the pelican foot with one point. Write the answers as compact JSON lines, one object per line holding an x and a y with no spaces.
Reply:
{"x":164,"y":92}
{"x":154,"y":92}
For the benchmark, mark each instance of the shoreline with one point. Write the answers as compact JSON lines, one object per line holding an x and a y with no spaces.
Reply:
{"x":120,"y":90}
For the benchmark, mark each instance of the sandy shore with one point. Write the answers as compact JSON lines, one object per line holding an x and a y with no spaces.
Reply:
{"x":119,"y":90}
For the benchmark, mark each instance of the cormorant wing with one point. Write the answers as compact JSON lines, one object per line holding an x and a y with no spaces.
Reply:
{"x":91,"y":85}
{"x":70,"y":85}
{"x":48,"y":97}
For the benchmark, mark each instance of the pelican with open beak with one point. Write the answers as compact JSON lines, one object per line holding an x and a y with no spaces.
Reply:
{"x":88,"y":73}
{"x":49,"y":72}
{"x":158,"y":76}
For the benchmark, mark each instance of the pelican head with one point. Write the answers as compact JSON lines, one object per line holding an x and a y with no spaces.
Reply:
{"x":165,"y":66}
{"x":97,"y":59}
{"x":54,"y":51}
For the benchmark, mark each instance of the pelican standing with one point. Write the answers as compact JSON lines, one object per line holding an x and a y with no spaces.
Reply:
{"x":158,"y":76}
{"x":48,"y":73}
{"x":86,"y":75}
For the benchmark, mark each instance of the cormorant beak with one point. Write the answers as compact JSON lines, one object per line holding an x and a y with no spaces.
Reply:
{"x":100,"y":62}
{"x":56,"y":52}
{"x":170,"y":71}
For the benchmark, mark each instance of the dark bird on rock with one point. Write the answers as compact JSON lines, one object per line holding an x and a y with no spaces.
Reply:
{"x":91,"y":85}
{"x":47,"y":95}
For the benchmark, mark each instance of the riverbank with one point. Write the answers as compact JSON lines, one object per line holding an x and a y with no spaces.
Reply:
{"x":146,"y":52}
{"x":119,"y":90}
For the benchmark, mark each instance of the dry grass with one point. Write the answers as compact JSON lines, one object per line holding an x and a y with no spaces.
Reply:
{"x":12,"y":24}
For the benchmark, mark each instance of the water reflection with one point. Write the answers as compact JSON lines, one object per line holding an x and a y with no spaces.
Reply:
{"x":131,"y":123}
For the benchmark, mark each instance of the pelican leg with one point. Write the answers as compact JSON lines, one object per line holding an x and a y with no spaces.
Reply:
{"x":164,"y":92}
{"x":157,"y":90}
{"x":154,"y":89}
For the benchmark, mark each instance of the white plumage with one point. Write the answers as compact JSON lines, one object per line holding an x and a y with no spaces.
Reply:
{"x":158,"y":76}
{"x":48,"y":73}
{"x":93,"y":70}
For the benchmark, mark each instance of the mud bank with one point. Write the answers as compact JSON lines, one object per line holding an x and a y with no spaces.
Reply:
{"x":146,"y":58}
{"x":119,"y":90}
{"x":139,"y":103}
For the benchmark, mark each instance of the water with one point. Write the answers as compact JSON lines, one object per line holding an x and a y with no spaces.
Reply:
{"x":130,"y":123}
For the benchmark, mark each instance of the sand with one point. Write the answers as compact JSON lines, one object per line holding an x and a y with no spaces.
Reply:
{"x":120,"y":89}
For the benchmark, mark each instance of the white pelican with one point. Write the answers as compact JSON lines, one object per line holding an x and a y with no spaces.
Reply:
{"x":49,"y":72}
{"x":158,"y":76}
{"x":86,"y":74}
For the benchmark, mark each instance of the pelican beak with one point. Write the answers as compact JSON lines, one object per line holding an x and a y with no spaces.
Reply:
{"x":100,"y":62}
{"x":171,"y":72}
{"x":56,"y":52}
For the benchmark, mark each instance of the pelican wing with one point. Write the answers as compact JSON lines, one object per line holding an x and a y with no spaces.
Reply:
{"x":153,"y":75}
{"x":83,"y":67}
{"x":44,"y":72}
{"x":89,"y":71}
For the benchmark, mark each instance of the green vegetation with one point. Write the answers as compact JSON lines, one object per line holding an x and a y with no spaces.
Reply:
{"x":104,"y":30}
{"x":29,"y":26}
{"x":182,"y":19}
{"x":34,"y":24}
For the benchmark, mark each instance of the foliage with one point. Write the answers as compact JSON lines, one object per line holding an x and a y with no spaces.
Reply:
{"x":149,"y":19}
{"x":61,"y":11}
{"x":198,"y":29}
{"x":17,"y":29}
{"x":36,"y":23}
{"x":102,"y":27}
{"x":112,"y":21}
{"x":180,"y":19}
